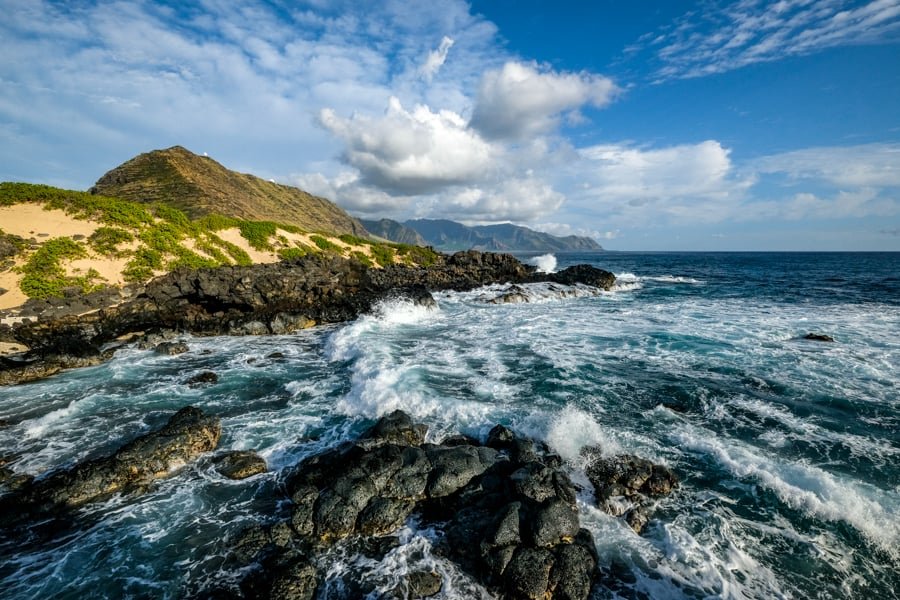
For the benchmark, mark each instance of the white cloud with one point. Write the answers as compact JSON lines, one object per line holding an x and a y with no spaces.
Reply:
{"x":722,"y":38}
{"x":519,"y":200}
{"x":521,"y":100}
{"x":436,"y":58}
{"x":848,"y":166}
{"x":412,"y":152}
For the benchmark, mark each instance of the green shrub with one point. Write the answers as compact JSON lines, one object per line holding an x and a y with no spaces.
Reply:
{"x":106,"y":240}
{"x":325,"y":245}
{"x":383,"y":254}
{"x":45,"y":277}
{"x":235,"y":252}
{"x":142,"y":265}
{"x":291,"y":253}
{"x":208,"y":248}
{"x":354,"y":240}
{"x":257,"y":233}
{"x":216,"y":222}
{"x":175,"y":218}
{"x":162,"y":237}
{"x":363,"y":258}
{"x":418,"y":255}
{"x":188,"y":259}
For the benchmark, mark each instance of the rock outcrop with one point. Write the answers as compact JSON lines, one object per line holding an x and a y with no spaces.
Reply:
{"x":187,"y":435}
{"x":507,"y":509}
{"x":627,"y":485}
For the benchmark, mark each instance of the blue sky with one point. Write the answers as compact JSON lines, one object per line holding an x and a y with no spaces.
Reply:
{"x":747,"y":125}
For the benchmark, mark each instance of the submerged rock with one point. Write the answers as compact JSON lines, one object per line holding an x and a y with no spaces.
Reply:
{"x":187,"y":435}
{"x":240,"y":464}
{"x":202,"y":378}
{"x":818,"y":337}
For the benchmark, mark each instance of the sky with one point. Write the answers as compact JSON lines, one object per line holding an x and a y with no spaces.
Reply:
{"x":708,"y":125}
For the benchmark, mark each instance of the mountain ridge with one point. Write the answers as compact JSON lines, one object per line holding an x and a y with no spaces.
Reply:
{"x":447,"y":235}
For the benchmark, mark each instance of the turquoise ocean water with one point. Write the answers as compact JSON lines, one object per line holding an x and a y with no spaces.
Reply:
{"x":788,"y":450}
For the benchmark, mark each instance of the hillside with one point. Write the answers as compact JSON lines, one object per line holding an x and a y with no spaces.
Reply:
{"x":394,"y":231}
{"x":450,"y":235}
{"x":198,"y":186}
{"x":53,"y":241}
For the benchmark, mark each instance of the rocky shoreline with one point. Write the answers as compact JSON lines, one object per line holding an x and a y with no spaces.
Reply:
{"x":261,"y":299}
{"x":506,"y":507}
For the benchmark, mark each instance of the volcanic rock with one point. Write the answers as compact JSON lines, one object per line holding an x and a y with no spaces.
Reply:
{"x":240,"y":464}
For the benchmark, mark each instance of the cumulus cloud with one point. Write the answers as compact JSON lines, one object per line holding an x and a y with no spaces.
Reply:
{"x":520,"y":200}
{"x":521,"y":100}
{"x":436,"y":58}
{"x":412,"y":152}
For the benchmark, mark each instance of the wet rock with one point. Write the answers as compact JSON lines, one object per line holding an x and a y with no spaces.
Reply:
{"x":818,"y":337}
{"x":275,"y":355}
{"x":240,"y":464}
{"x":295,"y":581}
{"x":171,"y":348}
{"x":397,"y":427}
{"x":420,"y":584}
{"x":31,"y":369}
{"x":584,"y":274}
{"x":202,"y":378}
{"x":508,"y":512}
{"x":187,"y":435}
{"x":626,"y":484}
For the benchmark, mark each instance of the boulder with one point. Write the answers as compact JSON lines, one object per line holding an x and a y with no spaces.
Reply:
{"x":626,"y":485}
{"x":202,"y":378}
{"x":187,"y":435}
{"x":240,"y":464}
{"x":171,"y":348}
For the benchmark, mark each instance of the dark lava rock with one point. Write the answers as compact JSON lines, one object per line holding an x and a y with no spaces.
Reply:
{"x":626,"y":484}
{"x":240,"y":464}
{"x":31,"y":369}
{"x":420,"y":584}
{"x":171,"y":348}
{"x":202,"y":378}
{"x":818,"y":337}
{"x":508,"y":512}
{"x":275,"y":355}
{"x":584,"y":274}
{"x":187,"y":435}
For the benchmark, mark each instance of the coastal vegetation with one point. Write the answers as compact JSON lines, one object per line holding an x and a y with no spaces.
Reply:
{"x":143,"y":240}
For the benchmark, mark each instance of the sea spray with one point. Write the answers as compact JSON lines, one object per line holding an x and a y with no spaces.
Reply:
{"x":545,"y":263}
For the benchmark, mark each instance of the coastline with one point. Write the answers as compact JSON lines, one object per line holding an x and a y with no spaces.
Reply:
{"x":261,"y":299}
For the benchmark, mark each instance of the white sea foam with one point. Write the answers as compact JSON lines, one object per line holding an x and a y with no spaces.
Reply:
{"x":872,"y":512}
{"x":545,"y":263}
{"x":573,"y":429}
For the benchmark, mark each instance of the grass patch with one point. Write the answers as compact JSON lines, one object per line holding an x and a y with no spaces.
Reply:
{"x":291,"y":253}
{"x":237,"y":253}
{"x":44,"y":276}
{"x":143,"y":265}
{"x":363,"y":258}
{"x":106,"y":240}
{"x":424,"y":257}
{"x":215,"y":222}
{"x":354,"y":240}
{"x":257,"y":233}
{"x":383,"y":254}
{"x":325,"y":245}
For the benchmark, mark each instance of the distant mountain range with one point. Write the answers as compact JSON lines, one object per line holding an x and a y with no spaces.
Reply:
{"x":451,"y":236}
{"x":199,"y":186}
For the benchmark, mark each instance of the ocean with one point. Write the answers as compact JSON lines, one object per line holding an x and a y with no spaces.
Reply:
{"x":788,"y":450}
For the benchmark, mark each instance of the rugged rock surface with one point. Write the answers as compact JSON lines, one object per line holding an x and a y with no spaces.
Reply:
{"x":626,"y":485}
{"x":240,"y":464}
{"x":171,"y":348}
{"x":187,"y":435}
{"x":202,"y":378}
{"x":262,"y":299}
{"x":508,"y":512}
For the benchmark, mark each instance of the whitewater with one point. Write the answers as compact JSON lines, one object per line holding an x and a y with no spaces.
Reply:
{"x":788,"y":449}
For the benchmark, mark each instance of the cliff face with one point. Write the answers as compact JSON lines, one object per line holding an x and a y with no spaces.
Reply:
{"x":198,"y":185}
